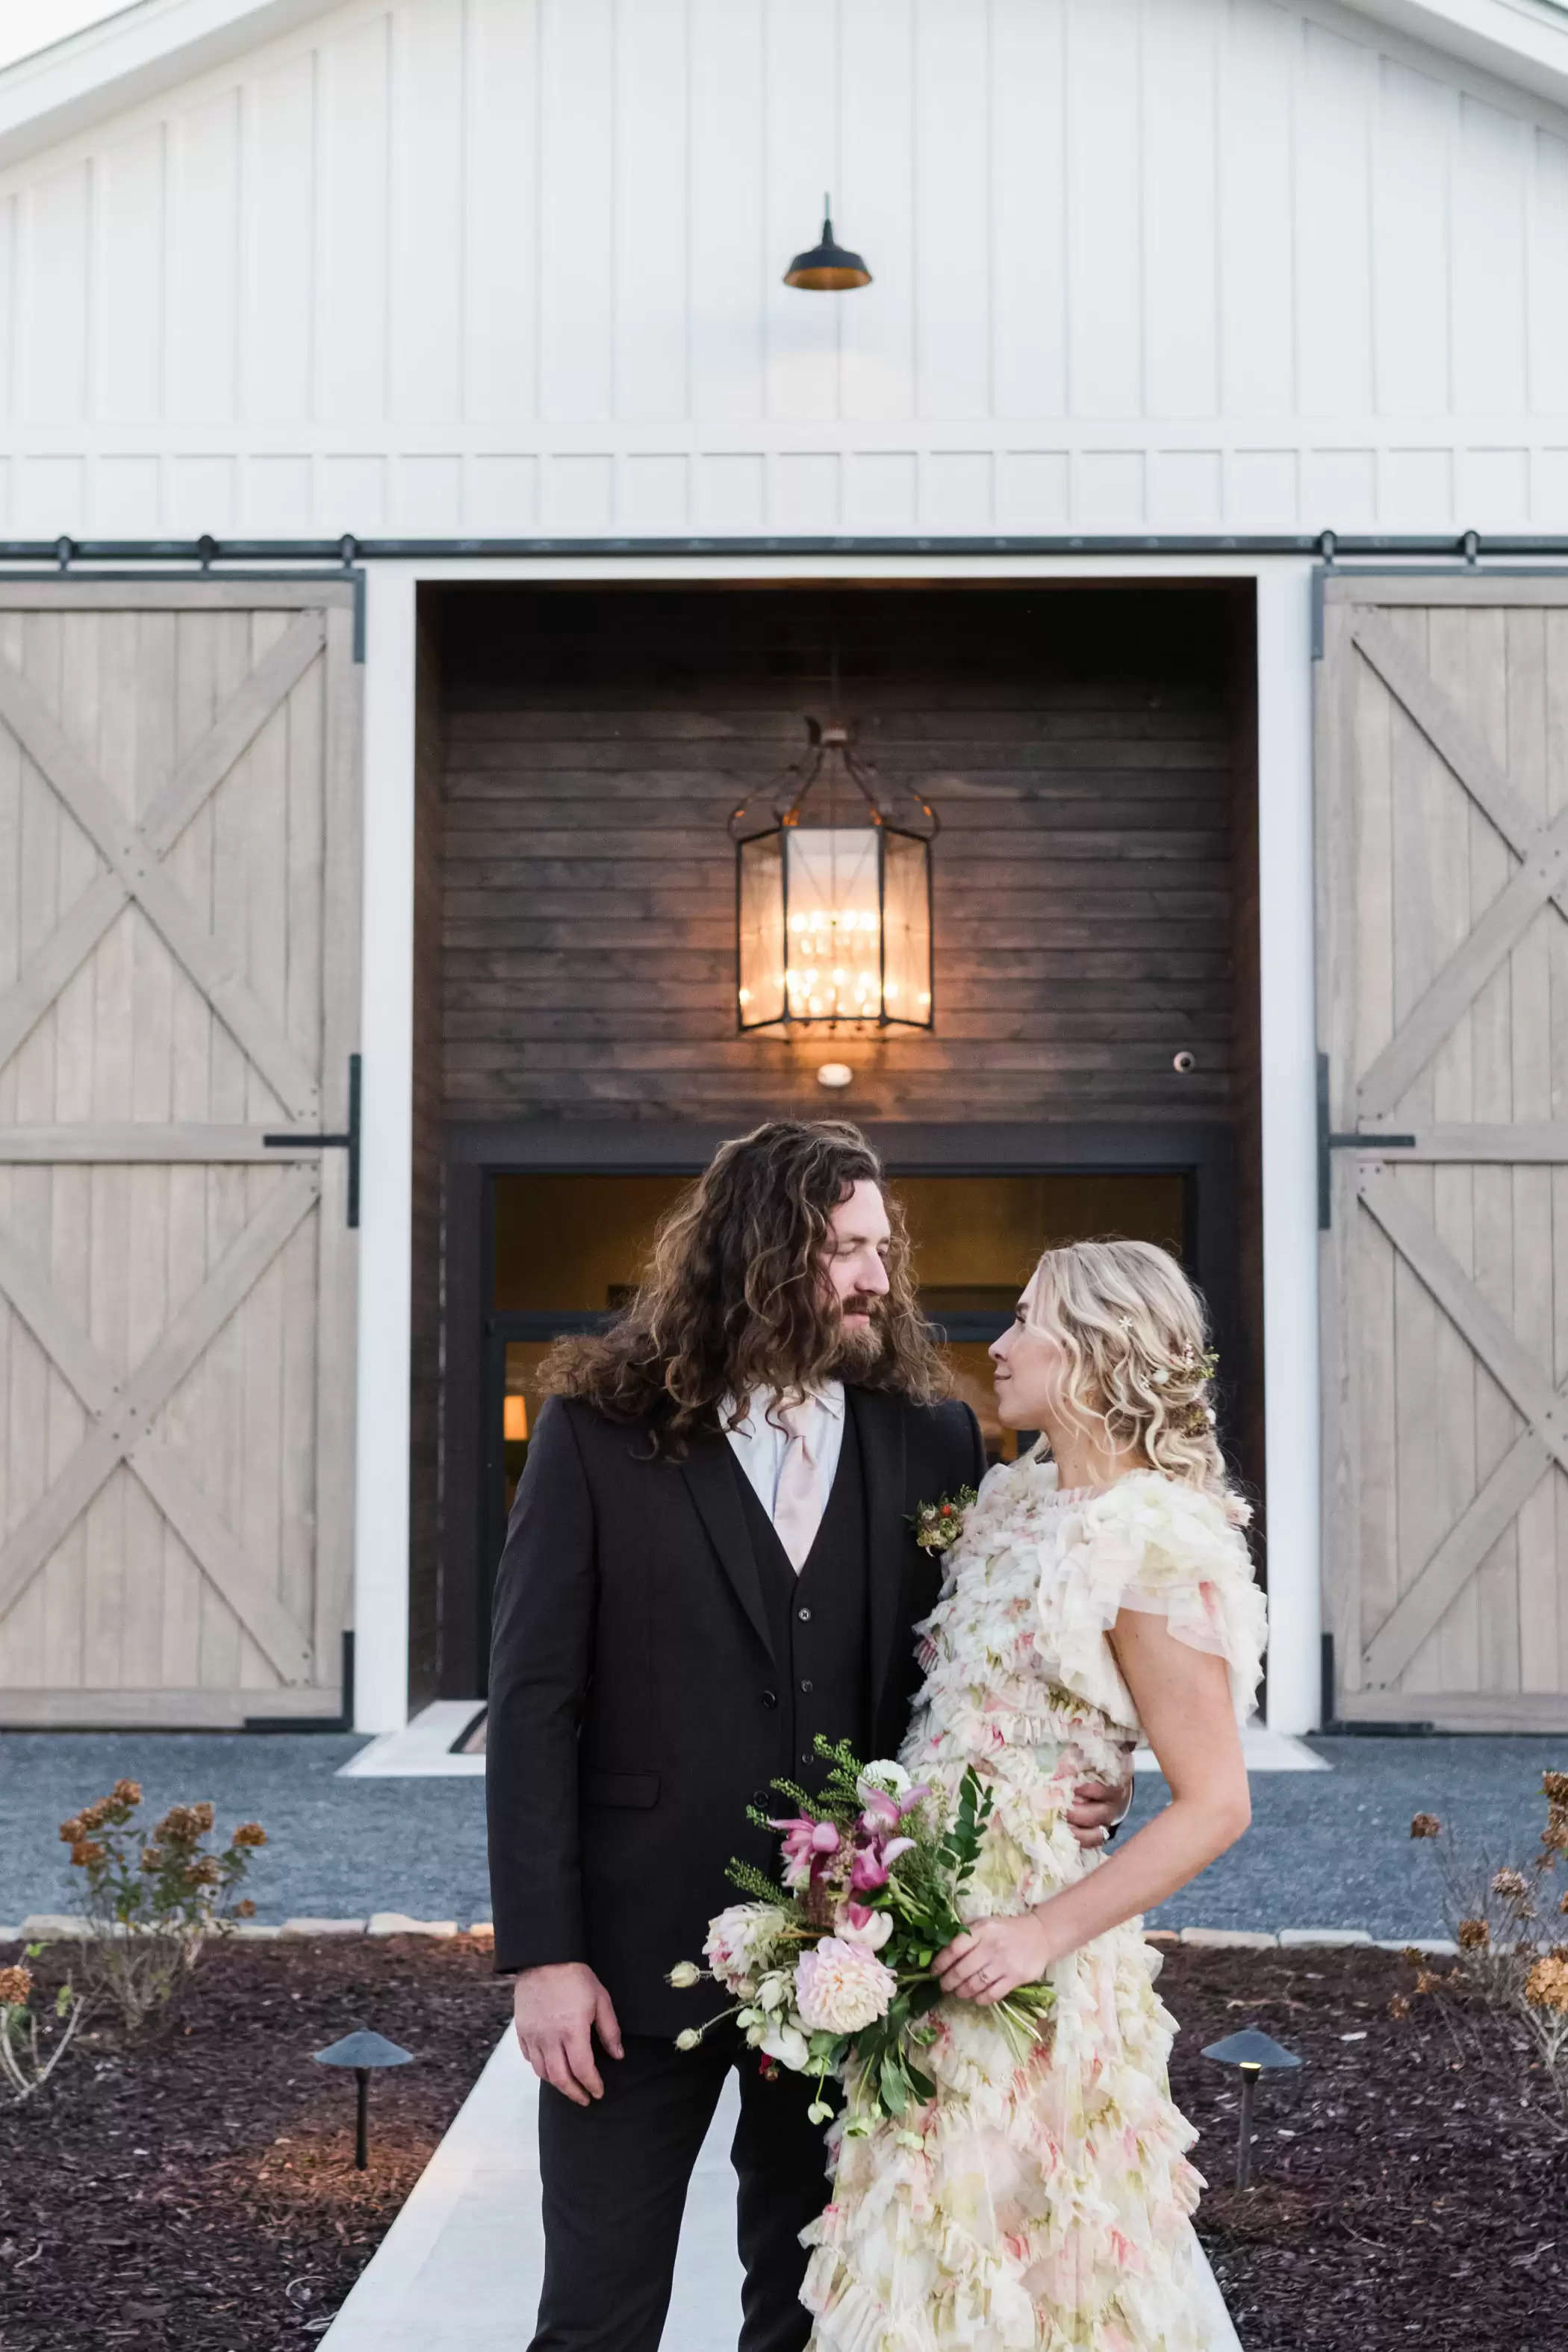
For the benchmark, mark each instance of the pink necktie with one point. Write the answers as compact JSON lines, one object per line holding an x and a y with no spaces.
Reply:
{"x":798,"y":1506}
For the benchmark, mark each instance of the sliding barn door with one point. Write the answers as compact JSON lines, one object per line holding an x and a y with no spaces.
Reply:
{"x":179,"y":984}
{"x":1443,"y":941}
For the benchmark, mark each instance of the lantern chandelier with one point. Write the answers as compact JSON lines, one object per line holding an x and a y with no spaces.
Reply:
{"x":832,"y":905}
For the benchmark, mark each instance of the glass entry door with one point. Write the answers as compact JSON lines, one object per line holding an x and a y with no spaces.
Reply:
{"x":568,"y":1249}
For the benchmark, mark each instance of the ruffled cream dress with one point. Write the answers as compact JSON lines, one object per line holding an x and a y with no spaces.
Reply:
{"x":1043,"y":2206}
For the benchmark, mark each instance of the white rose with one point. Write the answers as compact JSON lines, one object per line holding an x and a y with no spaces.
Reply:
{"x":885,"y":1775}
{"x":788,"y":2044}
{"x":684,"y":1975}
{"x":871,"y":1937}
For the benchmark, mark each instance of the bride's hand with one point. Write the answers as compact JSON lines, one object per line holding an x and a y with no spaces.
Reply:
{"x":996,"y":1957}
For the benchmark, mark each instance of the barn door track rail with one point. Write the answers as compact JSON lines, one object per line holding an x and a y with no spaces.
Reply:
{"x":1328,"y":546}
{"x":294,"y":1139}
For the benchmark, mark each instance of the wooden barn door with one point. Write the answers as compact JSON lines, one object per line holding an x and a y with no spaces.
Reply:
{"x":1443,"y":893}
{"x":179,"y":984}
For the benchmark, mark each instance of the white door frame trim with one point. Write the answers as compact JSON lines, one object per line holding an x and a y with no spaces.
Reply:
{"x":1288,"y":1046}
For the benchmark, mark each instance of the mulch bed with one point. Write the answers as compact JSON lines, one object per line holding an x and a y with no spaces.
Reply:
{"x":1408,"y":2188}
{"x":1410,"y":2185}
{"x":202,"y":2196}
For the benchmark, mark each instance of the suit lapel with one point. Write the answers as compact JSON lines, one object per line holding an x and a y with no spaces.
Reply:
{"x":710,"y":1473}
{"x":880,"y":1425}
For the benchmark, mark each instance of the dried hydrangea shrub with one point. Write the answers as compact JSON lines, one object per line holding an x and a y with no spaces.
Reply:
{"x":1495,"y":1914}
{"x":151,"y":1898}
{"x":27,"y":2058}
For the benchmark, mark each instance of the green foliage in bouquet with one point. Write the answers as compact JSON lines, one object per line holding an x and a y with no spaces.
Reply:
{"x":831,"y":1962}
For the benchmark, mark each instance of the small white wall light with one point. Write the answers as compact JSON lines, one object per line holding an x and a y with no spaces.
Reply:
{"x":834,"y":1074}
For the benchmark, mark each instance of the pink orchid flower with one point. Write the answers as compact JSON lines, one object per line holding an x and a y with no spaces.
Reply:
{"x":872,"y":1864}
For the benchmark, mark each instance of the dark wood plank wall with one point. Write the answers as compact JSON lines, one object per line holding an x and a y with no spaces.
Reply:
{"x":1080,"y":749}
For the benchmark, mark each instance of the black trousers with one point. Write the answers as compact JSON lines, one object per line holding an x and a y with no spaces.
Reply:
{"x":615,"y":2175}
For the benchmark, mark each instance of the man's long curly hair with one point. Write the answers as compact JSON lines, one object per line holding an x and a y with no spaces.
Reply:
{"x":735,"y":1298}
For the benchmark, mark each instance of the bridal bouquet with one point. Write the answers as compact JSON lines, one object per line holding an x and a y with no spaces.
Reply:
{"x":830,"y":1968}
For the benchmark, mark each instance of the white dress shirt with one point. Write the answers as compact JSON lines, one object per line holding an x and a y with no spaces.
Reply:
{"x":760,"y":1445}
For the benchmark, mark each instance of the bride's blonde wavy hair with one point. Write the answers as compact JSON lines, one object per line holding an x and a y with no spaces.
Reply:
{"x":1136,"y":1338}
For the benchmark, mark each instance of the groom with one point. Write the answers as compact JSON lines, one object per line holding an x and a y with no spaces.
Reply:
{"x":710,"y":1562}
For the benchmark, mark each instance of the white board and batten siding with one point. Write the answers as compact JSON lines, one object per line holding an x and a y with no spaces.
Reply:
{"x":179,"y":978}
{"x":1442,"y":878}
{"x":507,"y":267}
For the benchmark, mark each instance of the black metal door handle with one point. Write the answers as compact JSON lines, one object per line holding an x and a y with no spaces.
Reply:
{"x":348,"y":1142}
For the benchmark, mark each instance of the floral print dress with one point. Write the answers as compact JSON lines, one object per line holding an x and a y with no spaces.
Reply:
{"x":1043,"y":2205}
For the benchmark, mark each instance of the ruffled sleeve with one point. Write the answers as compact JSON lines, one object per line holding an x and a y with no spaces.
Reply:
{"x":1150,"y":1542}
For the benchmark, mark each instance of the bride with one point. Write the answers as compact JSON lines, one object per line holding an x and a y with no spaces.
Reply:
{"x":1100,"y":1587}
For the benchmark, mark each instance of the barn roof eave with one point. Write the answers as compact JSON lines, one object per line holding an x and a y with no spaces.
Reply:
{"x":1524,"y":42}
{"x":147,"y":48}
{"x":130,"y":55}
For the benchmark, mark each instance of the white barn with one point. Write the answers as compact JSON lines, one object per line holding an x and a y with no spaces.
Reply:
{"x":423,"y":505}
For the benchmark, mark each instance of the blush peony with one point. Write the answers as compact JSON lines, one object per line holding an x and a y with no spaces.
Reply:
{"x":839,"y":1987}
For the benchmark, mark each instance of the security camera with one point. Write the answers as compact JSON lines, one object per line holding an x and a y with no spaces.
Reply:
{"x":1182,"y":1062}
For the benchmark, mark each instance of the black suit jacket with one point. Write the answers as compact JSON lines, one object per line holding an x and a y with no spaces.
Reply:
{"x":633,"y":1695}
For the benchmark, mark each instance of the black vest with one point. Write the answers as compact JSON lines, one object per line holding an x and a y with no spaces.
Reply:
{"x":817,"y":1620}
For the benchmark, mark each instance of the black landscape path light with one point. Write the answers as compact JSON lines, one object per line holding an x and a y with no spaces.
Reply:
{"x":1254,"y":2054}
{"x":361,"y":2051}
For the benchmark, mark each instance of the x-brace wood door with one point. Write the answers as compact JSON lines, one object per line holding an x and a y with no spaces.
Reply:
{"x":179,"y":992}
{"x":1442,"y":763}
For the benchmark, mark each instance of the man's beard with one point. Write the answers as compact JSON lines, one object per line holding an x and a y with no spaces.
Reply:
{"x":861,"y":1345}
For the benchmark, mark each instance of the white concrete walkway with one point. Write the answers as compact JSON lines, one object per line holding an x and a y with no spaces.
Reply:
{"x":460,"y":2269}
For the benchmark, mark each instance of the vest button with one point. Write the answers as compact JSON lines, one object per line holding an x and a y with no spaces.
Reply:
{"x":770,"y":1698}
{"x":804,"y":1616}
{"x":806,"y":1687}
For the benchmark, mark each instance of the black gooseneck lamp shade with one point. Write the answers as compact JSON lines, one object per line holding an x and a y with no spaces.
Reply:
{"x":1254,"y":2054}
{"x":361,"y":2051}
{"x":828,"y":267}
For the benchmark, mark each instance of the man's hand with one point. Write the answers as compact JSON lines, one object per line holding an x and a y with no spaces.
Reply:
{"x":1099,"y":1805}
{"x":556,"y":2011}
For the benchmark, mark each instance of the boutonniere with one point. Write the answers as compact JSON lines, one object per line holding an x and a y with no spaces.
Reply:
{"x":938,"y":1525}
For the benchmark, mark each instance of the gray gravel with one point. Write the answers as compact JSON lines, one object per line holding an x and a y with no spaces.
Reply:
{"x":1325,"y":1850}
{"x":337,"y":1848}
{"x":1335,"y":1850}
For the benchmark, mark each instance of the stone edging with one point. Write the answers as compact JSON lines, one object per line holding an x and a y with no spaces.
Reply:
{"x":54,"y":1926}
